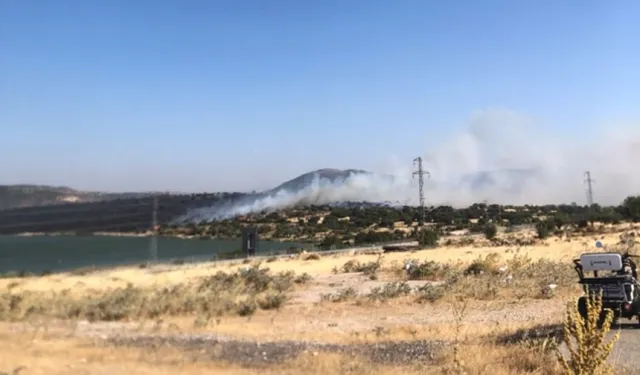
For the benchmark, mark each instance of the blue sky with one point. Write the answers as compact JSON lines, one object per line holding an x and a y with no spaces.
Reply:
{"x":240,"y":95}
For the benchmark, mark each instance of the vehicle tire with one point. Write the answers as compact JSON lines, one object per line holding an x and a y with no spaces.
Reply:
{"x":617,"y":314}
{"x":582,"y":310}
{"x":582,"y":307}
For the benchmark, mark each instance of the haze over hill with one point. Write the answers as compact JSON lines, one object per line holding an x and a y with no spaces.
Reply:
{"x":500,"y":157}
{"x":334,"y":186}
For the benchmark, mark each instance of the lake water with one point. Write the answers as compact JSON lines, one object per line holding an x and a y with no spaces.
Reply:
{"x":61,"y":253}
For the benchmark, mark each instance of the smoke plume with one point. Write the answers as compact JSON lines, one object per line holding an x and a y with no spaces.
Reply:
{"x":500,"y":156}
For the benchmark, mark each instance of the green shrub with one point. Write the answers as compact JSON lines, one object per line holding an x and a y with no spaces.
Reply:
{"x":428,"y":237}
{"x":490,"y":231}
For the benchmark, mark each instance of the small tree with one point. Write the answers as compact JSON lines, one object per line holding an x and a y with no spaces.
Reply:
{"x":631,"y":208}
{"x":428,"y":237}
{"x":542,"y":228}
{"x":490,"y":231}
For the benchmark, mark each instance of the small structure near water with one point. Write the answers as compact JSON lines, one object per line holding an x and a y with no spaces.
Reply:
{"x":250,"y":241}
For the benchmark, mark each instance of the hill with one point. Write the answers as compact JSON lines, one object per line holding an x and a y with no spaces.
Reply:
{"x":327,"y":206}
{"x":322,"y":186}
{"x":18,"y":196}
{"x":303,"y":181}
{"x":25,"y":195}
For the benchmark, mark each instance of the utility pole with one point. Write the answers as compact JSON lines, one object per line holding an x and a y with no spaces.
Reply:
{"x":420,"y":172}
{"x":589,"y":182}
{"x":153,"y":245}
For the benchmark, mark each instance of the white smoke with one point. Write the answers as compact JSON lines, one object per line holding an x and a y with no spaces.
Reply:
{"x":354,"y":188}
{"x":526,"y":166}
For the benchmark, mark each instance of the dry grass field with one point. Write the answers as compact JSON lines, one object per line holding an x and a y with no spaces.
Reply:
{"x":475,"y":309}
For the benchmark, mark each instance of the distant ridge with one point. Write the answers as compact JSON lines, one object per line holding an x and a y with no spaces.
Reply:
{"x":29,"y":195}
{"x":309,"y":188}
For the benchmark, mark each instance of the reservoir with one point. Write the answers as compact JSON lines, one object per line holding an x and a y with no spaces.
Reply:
{"x":36,"y":254}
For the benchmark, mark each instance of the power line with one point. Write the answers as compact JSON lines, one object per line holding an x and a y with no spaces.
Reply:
{"x":589,"y":182}
{"x":420,"y":172}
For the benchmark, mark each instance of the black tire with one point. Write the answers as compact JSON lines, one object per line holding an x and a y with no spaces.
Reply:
{"x":617,"y":314}
{"x":582,"y":310}
{"x":582,"y":307}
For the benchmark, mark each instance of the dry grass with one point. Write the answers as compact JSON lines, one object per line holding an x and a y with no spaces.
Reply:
{"x":248,"y":301}
{"x":241,"y":292}
{"x":493,"y":277}
{"x":326,"y":325}
{"x":53,"y":353}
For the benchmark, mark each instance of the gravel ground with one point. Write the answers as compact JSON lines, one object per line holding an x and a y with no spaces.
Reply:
{"x":625,"y":351}
{"x":250,"y":353}
{"x":211,"y":346}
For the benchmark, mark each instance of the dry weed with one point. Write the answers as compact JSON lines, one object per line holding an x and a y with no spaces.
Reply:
{"x":588,"y":349}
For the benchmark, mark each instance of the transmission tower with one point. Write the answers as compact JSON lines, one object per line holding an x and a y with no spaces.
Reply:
{"x":420,"y":172}
{"x":589,"y":183}
{"x":153,"y":244}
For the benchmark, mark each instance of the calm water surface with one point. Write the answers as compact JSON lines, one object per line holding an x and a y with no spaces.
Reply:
{"x":60,"y":253}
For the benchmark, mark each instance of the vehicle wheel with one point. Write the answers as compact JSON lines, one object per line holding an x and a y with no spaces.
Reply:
{"x":603,"y":316}
{"x":582,"y":307}
{"x":617,"y":314}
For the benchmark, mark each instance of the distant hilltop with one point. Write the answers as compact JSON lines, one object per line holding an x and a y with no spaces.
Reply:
{"x":329,"y":174}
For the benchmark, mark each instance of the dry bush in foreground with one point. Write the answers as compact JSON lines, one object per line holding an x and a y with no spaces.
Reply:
{"x":588,"y":349}
{"x":242,"y":292}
